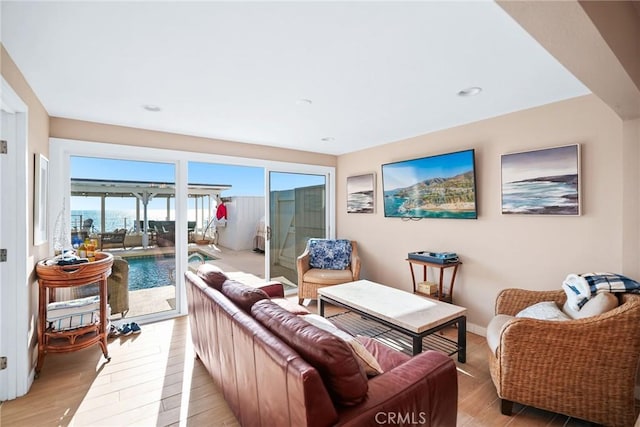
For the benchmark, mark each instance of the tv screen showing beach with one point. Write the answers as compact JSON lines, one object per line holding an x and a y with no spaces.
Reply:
{"x":442,"y":186}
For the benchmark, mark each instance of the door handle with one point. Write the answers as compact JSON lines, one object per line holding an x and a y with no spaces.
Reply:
{"x":268,"y":233}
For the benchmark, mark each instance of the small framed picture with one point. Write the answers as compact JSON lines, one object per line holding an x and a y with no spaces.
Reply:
{"x":40,"y":194}
{"x":361,"y":193}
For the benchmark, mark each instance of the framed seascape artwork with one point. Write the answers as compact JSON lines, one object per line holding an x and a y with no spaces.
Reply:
{"x":361,"y":193}
{"x":40,"y":194}
{"x":542,"y":182}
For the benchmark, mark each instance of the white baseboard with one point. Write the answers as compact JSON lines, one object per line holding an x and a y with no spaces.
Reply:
{"x":475,"y":329}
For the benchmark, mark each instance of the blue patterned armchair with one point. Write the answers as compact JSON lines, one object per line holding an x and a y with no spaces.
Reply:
{"x":326,"y":262}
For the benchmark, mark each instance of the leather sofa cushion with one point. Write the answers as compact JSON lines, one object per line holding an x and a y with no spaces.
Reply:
{"x":212,"y":275}
{"x":273,"y":289}
{"x":244,"y":296}
{"x":327,"y":277}
{"x":344,"y":379}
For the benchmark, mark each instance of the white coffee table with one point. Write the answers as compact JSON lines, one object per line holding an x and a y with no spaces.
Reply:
{"x":401,"y":311}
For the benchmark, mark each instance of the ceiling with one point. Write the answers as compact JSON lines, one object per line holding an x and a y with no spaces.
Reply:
{"x":328,"y":77}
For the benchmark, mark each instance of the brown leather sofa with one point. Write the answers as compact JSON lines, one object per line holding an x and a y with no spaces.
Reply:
{"x":276,"y":369}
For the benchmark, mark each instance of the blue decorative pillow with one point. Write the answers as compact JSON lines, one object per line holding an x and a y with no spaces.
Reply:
{"x":330,"y":254}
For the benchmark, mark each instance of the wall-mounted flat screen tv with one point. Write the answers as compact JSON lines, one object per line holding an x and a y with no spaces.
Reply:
{"x":442,"y":186}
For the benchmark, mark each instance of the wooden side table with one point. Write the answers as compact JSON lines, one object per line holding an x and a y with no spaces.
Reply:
{"x":444,"y":294}
{"x":51,"y":277}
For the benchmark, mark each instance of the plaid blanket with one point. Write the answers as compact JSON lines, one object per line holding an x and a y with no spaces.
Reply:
{"x":580,"y":288}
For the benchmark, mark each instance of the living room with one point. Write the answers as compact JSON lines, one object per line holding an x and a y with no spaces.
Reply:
{"x":498,"y":251}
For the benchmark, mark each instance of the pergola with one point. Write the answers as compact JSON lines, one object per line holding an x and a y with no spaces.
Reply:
{"x":144,"y":192}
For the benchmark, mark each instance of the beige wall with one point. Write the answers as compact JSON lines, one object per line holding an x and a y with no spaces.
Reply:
{"x":500,"y":251}
{"x":631,"y":195}
{"x":38,"y":142}
{"x":97,"y":132}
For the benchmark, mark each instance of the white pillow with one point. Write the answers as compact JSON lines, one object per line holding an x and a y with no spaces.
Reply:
{"x":600,"y":303}
{"x":362,"y":355}
{"x":546,"y":310}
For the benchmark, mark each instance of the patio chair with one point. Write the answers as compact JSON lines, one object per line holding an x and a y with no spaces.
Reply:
{"x":116,"y":236}
{"x":326,"y":262}
{"x":87,"y":225}
{"x":117,"y":288}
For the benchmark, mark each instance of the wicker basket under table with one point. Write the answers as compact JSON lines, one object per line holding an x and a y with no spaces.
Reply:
{"x":51,"y":277}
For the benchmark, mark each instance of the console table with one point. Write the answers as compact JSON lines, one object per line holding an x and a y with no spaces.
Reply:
{"x":52,"y":277}
{"x":443,"y":293}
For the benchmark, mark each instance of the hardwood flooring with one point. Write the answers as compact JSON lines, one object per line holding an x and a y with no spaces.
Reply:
{"x":153,"y":379}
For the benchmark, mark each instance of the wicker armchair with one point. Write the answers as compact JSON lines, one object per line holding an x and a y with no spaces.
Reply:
{"x":311,"y":279}
{"x":583,"y":368}
{"x":117,"y":288}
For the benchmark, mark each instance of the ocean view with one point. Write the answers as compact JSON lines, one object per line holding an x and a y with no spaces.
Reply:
{"x":118,"y":218}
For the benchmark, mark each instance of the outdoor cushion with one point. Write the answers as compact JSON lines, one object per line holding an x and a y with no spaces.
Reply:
{"x":332,"y":357}
{"x":330,"y":254}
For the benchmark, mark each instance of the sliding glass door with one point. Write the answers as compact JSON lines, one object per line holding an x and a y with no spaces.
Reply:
{"x":127,"y":207}
{"x":298,"y":207}
{"x":199,"y":208}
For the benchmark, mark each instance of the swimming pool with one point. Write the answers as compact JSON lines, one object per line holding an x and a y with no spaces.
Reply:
{"x":151,"y":271}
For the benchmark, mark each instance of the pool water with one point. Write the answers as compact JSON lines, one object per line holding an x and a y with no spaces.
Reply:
{"x":152,"y":271}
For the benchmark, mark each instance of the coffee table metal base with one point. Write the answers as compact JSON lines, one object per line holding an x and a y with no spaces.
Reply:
{"x":416,"y":338}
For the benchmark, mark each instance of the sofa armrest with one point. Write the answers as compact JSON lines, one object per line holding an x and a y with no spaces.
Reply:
{"x":423,"y":390}
{"x":512,"y":301}
{"x":273,"y":288}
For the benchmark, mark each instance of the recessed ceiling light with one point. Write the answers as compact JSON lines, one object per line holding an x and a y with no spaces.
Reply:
{"x":470,"y":91}
{"x":328,"y":139}
{"x":304,"y":101}
{"x":152,"y":108}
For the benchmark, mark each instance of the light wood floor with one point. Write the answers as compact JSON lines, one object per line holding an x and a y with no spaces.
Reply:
{"x":153,"y":379}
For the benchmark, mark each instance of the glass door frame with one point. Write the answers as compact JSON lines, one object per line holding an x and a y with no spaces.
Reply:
{"x":330,"y":201}
{"x":61,"y":151}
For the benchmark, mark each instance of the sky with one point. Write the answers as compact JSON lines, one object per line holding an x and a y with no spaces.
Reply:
{"x":409,"y":172}
{"x":539,"y":163}
{"x":244,"y":180}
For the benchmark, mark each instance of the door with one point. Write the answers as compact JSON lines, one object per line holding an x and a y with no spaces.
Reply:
{"x":298,"y":206}
{"x":14,"y":236}
{"x":4,"y":280}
